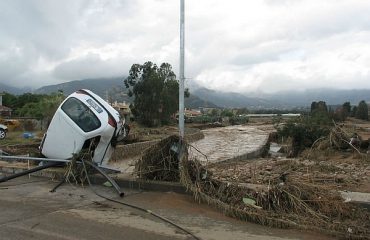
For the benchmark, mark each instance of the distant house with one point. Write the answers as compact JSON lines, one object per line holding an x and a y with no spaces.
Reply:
{"x":189,"y":114}
{"x":192,"y":113}
{"x":123,"y":108}
{"x":4,"y":111}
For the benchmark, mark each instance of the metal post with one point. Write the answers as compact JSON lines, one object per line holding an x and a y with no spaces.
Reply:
{"x":182,"y":75}
{"x":114,"y":184}
{"x":32,"y":170}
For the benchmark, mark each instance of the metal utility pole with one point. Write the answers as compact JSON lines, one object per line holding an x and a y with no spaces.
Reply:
{"x":182,"y":68}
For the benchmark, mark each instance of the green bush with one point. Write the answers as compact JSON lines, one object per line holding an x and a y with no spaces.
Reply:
{"x":236,"y":120}
{"x":205,"y":119}
{"x":303,"y":132}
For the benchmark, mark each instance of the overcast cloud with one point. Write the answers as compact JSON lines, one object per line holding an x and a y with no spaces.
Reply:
{"x":236,"y":45}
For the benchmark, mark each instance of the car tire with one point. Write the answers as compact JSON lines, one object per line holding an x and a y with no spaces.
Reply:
{"x":2,"y":134}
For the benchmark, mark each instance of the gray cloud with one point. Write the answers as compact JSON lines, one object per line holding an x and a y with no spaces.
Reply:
{"x":237,"y":45}
{"x":90,"y":66}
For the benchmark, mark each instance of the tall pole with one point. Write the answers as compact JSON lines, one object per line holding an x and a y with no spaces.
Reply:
{"x":182,"y":68}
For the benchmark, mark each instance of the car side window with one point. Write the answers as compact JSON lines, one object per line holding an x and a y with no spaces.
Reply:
{"x":81,"y":114}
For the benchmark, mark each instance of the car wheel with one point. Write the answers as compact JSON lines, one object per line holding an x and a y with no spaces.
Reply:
{"x":2,"y":134}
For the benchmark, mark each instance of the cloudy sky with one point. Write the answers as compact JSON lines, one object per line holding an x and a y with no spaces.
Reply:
{"x":234,"y":45}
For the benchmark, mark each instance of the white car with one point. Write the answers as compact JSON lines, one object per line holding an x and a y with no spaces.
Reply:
{"x":3,"y":130}
{"x":83,"y":120}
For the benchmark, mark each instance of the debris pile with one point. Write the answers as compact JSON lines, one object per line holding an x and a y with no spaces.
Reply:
{"x":340,"y":139}
{"x":286,"y":200}
{"x":160,"y":162}
{"x":22,"y":149}
{"x":74,"y":172}
{"x":291,"y":204}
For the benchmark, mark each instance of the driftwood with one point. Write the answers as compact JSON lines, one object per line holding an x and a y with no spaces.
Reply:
{"x":292,"y":204}
{"x":160,"y":162}
{"x":338,"y":138}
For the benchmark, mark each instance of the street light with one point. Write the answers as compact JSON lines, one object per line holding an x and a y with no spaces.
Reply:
{"x":182,"y":69}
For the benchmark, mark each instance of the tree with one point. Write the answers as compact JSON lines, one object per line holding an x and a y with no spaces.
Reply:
{"x":43,"y":109}
{"x":304,"y":132}
{"x":9,"y":100}
{"x":241,"y":111}
{"x":226,"y":113}
{"x":214,"y":112}
{"x":319,"y":113}
{"x":155,"y":91}
{"x":17,"y":102}
{"x":319,"y":107}
{"x":346,"y":109}
{"x":362,"y":111}
{"x":341,"y":113}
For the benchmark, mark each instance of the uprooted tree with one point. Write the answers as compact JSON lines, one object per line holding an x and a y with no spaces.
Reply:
{"x":155,"y":91}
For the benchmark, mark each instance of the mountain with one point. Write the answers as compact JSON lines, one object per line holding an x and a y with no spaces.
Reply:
{"x":330,"y":96}
{"x":194,"y":101}
{"x":113,"y":88}
{"x":234,"y":100}
{"x":107,"y":88}
{"x":13,"y":90}
{"x":98,"y":85}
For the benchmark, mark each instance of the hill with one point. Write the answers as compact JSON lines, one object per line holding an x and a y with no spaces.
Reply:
{"x":98,"y":85}
{"x":113,"y":88}
{"x":13,"y":90}
{"x":234,"y":100}
{"x":330,"y":96}
{"x":194,"y":101}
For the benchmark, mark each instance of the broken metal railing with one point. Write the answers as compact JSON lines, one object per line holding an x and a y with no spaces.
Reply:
{"x":32,"y":170}
{"x":52,"y":162}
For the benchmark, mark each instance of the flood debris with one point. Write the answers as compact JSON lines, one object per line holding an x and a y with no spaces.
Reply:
{"x":30,"y":149}
{"x":160,"y":162}
{"x":295,"y":204}
{"x":286,"y":201}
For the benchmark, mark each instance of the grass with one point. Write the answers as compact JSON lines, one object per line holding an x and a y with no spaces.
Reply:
{"x":16,"y":137}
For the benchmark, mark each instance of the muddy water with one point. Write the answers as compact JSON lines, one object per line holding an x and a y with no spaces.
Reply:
{"x":220,"y":144}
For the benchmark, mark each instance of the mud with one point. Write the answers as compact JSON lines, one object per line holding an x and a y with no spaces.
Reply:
{"x":30,"y":211}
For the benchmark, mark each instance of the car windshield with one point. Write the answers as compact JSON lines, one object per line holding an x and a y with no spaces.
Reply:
{"x":81,"y":114}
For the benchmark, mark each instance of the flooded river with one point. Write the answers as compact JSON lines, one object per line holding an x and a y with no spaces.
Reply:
{"x":220,"y":144}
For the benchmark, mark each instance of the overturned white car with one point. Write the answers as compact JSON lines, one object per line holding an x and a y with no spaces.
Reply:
{"x":83,"y":121}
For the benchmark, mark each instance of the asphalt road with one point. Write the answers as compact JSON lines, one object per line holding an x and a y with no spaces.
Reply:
{"x":29,"y":211}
